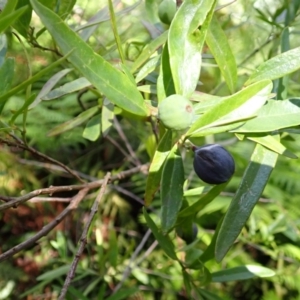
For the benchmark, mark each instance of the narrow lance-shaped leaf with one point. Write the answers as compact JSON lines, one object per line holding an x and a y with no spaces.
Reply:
{"x":3,"y":48}
{"x":81,"y":118}
{"x":273,"y":143}
{"x":241,"y":273}
{"x":186,"y":41}
{"x":278,"y":66}
{"x":241,"y":105}
{"x":6,"y":74}
{"x":273,"y":116}
{"x":202,"y":202}
{"x":282,"y":86}
{"x":219,"y":46}
{"x":69,"y":87}
{"x":164,"y":241}
{"x":49,"y":85}
{"x":114,"y":84}
{"x":156,"y":167}
{"x":149,"y":50}
{"x":251,"y":187}
{"x":92,"y":129}
{"x":165,"y":83}
{"x":171,"y":192}
{"x":8,"y":20}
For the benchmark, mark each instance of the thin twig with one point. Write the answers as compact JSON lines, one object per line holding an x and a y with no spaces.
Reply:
{"x":50,"y":199}
{"x":54,"y":167}
{"x":15,"y":201}
{"x":119,"y":147}
{"x":128,"y":269}
{"x":83,"y":239}
{"x":22,"y":145}
{"x":46,"y":229}
{"x":125,"y":140}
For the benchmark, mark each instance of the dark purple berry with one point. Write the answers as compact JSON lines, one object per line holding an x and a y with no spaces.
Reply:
{"x":213,"y":164}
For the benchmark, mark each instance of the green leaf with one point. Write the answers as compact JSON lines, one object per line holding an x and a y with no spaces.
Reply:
{"x":149,"y":50}
{"x":164,"y":241}
{"x":81,"y":118}
{"x":49,"y":85}
{"x":186,"y":40}
{"x":113,"y":83}
{"x":242,"y":273}
{"x":171,"y":193}
{"x":69,"y":87}
{"x":202,"y":202}
{"x":3,"y":48}
{"x":249,"y":191}
{"x":272,"y":143}
{"x":156,"y":167}
{"x":32,"y":79}
{"x":92,"y":129}
{"x":149,"y":67}
{"x":54,"y":274}
{"x":209,"y":252}
{"x":22,"y":24}
{"x":219,"y":46}
{"x":282,"y":87}
{"x":22,"y":110}
{"x":107,"y":116}
{"x":165,"y":84}
{"x":273,"y":116}
{"x":9,"y":8}
{"x":8,"y":20}
{"x":205,"y":101}
{"x":278,"y":66}
{"x":240,"y":106}
{"x":215,"y":130}
{"x":7,"y":71}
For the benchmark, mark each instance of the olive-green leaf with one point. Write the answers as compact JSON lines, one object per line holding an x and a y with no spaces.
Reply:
{"x":6,"y":74}
{"x":273,"y":116}
{"x":8,"y":20}
{"x":165,"y":83}
{"x":92,"y":129}
{"x":149,"y":50}
{"x":249,"y":191}
{"x":116,"y":86}
{"x":278,"y":66}
{"x":156,"y":167}
{"x":49,"y":85}
{"x":219,"y":46}
{"x":202,"y":202}
{"x":171,"y":193}
{"x":69,"y":87}
{"x":3,"y":48}
{"x":22,"y":24}
{"x":239,"y":106}
{"x":273,"y":143}
{"x":186,"y":40}
{"x":164,"y":241}
{"x":81,"y":118}
{"x":241,"y":273}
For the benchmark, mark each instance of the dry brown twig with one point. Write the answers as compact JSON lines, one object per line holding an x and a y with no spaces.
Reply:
{"x":83,"y":238}
{"x":20,"y":144}
{"x":46,"y":229}
{"x":15,"y":201}
{"x":126,"y":142}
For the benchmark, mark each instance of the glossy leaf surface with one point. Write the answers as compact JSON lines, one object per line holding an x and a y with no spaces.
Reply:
{"x":249,"y":191}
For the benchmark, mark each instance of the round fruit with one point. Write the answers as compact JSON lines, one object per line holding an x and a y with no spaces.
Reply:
{"x":213,"y":164}
{"x":166,"y":11}
{"x":176,"y":112}
{"x":188,"y":234}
